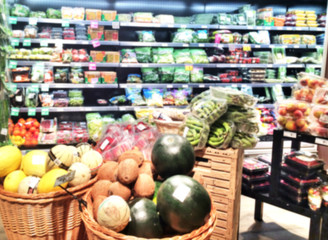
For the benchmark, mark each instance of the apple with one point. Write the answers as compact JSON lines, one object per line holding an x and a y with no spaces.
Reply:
{"x":282,"y":111}
{"x":309,"y":97}
{"x":322,"y":131}
{"x":291,"y":107}
{"x":312,"y":83}
{"x":321,"y":83}
{"x":298,"y":114}
{"x":304,"y":82}
{"x":307,"y":112}
{"x":302,"y":106}
{"x":74,"y":52}
{"x":304,"y":128}
{"x":82,"y":52}
{"x":291,"y":125}
{"x":282,"y":121}
{"x":317,"y":113}
{"x":300,"y":122}
{"x":298,"y":95}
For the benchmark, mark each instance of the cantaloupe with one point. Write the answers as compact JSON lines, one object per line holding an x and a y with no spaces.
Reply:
{"x":82,"y":174}
{"x":76,"y":155}
{"x":93,"y":160}
{"x":82,"y":148}
{"x":28,"y":185}
{"x":96,"y":203}
{"x":60,"y":157}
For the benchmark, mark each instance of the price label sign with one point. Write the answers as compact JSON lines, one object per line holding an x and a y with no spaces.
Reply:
{"x":95,"y":43}
{"x":14,"y":42}
{"x":189,"y":67}
{"x":44,"y":43}
{"x":12,"y":64}
{"x":33,"y":21}
{"x":65,"y":23}
{"x":65,"y":178}
{"x":45,"y":88}
{"x":94,"y":24}
{"x":31,"y":111}
{"x":169,"y":86}
{"x":92,"y":66}
{"x":14,"y":111}
{"x":247,"y":48}
{"x":45,"y":111}
{"x":290,"y":134}
{"x":27,"y":42}
{"x":12,"y":87}
{"x":321,"y":141}
{"x":4,"y":131}
{"x":12,"y":20}
{"x":116,"y":25}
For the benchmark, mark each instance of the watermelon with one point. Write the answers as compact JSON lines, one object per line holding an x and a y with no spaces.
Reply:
{"x":183,"y":203}
{"x":145,"y":221}
{"x":172,"y":155}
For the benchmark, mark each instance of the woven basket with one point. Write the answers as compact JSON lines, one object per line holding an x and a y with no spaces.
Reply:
{"x":168,"y":126}
{"x":46,"y":216}
{"x":97,"y":232}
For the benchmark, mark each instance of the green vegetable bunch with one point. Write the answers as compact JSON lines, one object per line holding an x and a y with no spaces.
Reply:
{"x":221,"y":134}
{"x":244,"y":140}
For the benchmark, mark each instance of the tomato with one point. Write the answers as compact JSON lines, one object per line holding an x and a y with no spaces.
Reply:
{"x":23,"y":132}
{"x":34,"y":142}
{"x":32,"y":129}
{"x":16,"y":133}
{"x":28,"y":135}
{"x":21,"y":120}
{"x":36,"y":124}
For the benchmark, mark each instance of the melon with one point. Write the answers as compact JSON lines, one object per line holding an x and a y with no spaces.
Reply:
{"x":28,"y":185}
{"x":13,"y":180}
{"x":82,"y":174}
{"x":10,"y":159}
{"x":48,"y":180}
{"x":60,"y":157}
{"x":93,"y":160}
{"x":76,"y":155}
{"x":82,"y":148}
{"x":35,"y":163}
{"x":113,"y":213}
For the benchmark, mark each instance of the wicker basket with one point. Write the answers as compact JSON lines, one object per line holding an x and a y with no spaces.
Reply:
{"x":97,"y":232}
{"x":168,"y":126}
{"x":46,"y":216}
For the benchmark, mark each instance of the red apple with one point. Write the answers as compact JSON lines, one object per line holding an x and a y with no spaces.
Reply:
{"x":304,"y":82}
{"x":298,"y":114}
{"x":300,"y":122}
{"x":82,"y":52}
{"x":75,"y":58}
{"x":302,"y":106}
{"x":282,"y":111}
{"x":317,"y":113}
{"x":291,"y":107}
{"x":307,"y":112}
{"x":282,"y":121}
{"x":304,"y":128}
{"x":291,"y":125}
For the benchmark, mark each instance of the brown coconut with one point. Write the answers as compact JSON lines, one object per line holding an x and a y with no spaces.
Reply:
{"x":119,"y":189}
{"x":108,"y":171}
{"x":127,"y":171}
{"x":96,"y":203}
{"x":100,"y":188}
{"x":132,"y":154}
{"x":147,"y":167}
{"x":144,"y":186}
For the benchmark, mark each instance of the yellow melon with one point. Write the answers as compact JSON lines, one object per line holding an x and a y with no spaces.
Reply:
{"x":10,"y":159}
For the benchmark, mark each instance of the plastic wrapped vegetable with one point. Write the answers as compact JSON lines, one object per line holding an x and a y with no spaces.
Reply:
{"x":182,"y":56}
{"x":166,"y":74}
{"x":20,"y":10}
{"x":199,"y":56}
{"x":95,"y":125}
{"x":53,"y":13}
{"x":134,"y":95}
{"x":163,"y":55}
{"x":181,"y":75}
{"x":118,"y":100}
{"x":196,"y":131}
{"x":37,"y":74}
{"x":181,"y":97}
{"x":150,"y":75}
{"x":197,"y":75}
{"x":233,"y":97}
{"x":146,"y":36}
{"x":128,"y":56}
{"x":249,"y":126}
{"x":201,"y":36}
{"x":31,"y":97}
{"x":38,"y":14}
{"x":244,"y":140}
{"x":240,"y":115}
{"x":154,"y":97}
{"x":143,"y":54}
{"x":128,"y":118}
{"x":221,"y":134}
{"x":209,"y":108}
{"x":203,"y":18}
{"x":182,"y":20}
{"x":183,"y":36}
{"x":134,"y":78}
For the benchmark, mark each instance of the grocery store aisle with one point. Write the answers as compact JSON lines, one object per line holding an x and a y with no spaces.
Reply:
{"x":277,"y":224}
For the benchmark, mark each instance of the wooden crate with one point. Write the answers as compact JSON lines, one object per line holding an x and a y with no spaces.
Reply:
{"x":220,"y":171}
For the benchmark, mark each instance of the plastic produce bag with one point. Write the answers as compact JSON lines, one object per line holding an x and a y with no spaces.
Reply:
{"x":233,"y":97}
{"x":181,"y":97}
{"x":95,"y":125}
{"x":124,"y":17}
{"x":244,"y":140}
{"x":37,"y":14}
{"x":163,"y":55}
{"x":209,"y":108}
{"x":154,"y":97}
{"x":181,"y":75}
{"x":37,"y":74}
{"x":221,"y":134}
{"x":201,"y":36}
{"x":31,"y":97}
{"x":53,"y":13}
{"x":128,"y":118}
{"x":182,"y":20}
{"x":197,"y":75}
{"x":143,"y":17}
{"x":134,"y":95}
{"x":166,"y":74}
{"x":128,"y":56}
{"x":165,"y":19}
{"x":146,"y":36}
{"x":196,"y":131}
{"x":199,"y":56}
{"x":143,"y":54}
{"x":134,"y":78}
{"x":150,"y":75}
{"x":119,"y":100}
{"x":183,"y":36}
{"x":182,"y":56}
{"x":20,"y":10}
{"x":249,"y":126}
{"x":203,"y":18}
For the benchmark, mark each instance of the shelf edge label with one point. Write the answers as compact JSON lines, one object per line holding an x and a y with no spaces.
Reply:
{"x":290,"y":134}
{"x":321,"y":141}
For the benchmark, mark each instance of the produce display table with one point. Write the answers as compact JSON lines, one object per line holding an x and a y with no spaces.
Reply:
{"x":220,"y":171}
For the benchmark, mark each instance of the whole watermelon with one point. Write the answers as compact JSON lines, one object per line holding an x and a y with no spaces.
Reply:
{"x":172,"y":155}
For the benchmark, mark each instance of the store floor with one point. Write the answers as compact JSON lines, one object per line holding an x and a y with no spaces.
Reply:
{"x":277,"y":224}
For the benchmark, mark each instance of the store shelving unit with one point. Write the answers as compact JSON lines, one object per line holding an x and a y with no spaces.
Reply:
{"x":318,"y":231}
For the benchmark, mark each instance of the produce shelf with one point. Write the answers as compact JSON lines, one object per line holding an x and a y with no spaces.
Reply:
{"x":74,"y":109}
{"x":72,"y":42}
{"x":60,"y":64}
{"x":67,"y":85}
{"x":136,"y":108}
{"x":61,"y":21}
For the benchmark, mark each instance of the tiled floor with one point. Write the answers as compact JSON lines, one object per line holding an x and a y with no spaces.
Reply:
{"x":277,"y":224}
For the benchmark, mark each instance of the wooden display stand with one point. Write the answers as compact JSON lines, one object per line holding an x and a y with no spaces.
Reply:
{"x":220,"y":171}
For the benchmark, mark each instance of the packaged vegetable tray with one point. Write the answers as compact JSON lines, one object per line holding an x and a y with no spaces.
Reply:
{"x":253,"y":179}
{"x":298,"y":173}
{"x":304,"y":160}
{"x":302,"y":185}
{"x":233,"y":97}
{"x":252,"y":167}
{"x":196,"y":130}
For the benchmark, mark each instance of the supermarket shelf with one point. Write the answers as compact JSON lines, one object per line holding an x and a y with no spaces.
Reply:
{"x":314,"y":65}
{"x":302,"y":137}
{"x":60,"y":21}
{"x":72,"y":42}
{"x":136,"y":108}
{"x":315,"y":46}
{"x":141,"y":65}
{"x":60,"y":64}
{"x":74,"y":109}
{"x":68,"y":85}
{"x":159,"y":25}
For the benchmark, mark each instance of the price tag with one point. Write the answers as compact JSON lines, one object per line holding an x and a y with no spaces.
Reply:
{"x":122,"y":108}
{"x":243,"y":65}
{"x":296,"y":46}
{"x":65,"y":23}
{"x":185,"y":45}
{"x":12,"y":87}
{"x":170,"y":25}
{"x":92,"y":66}
{"x":31,"y":111}
{"x":247,"y":48}
{"x":14,"y":42}
{"x":183,"y":26}
{"x":289,"y":28}
{"x":298,"y":28}
{"x":223,"y":27}
{"x":27,"y":42}
{"x":271,"y":46}
{"x":124,"y":65}
{"x":290,"y":134}
{"x":270,"y":66}
{"x":14,"y":111}
{"x":94,"y":24}
{"x":201,"y":86}
{"x":184,"y":86}
{"x":45,"y":87}
{"x":169,"y":86}
{"x":116,"y":25}
{"x":12,"y":64}
{"x":189,"y":67}
{"x":234,"y":86}
{"x":144,"y":65}
{"x":165,"y":44}
{"x":12,"y":20}
{"x":65,"y":178}
{"x":250,"y":27}
{"x":88,"y":109}
{"x":4,"y":131}
{"x":44,"y":43}
{"x":138,"y":86}
{"x":257,"y":46}
{"x":233,"y":65}
{"x":259,"y":28}
{"x":321,"y":141}
{"x":95,"y":43}
{"x":203,"y":26}
{"x":45,"y":111}
{"x":201,"y":45}
{"x":33,"y":21}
